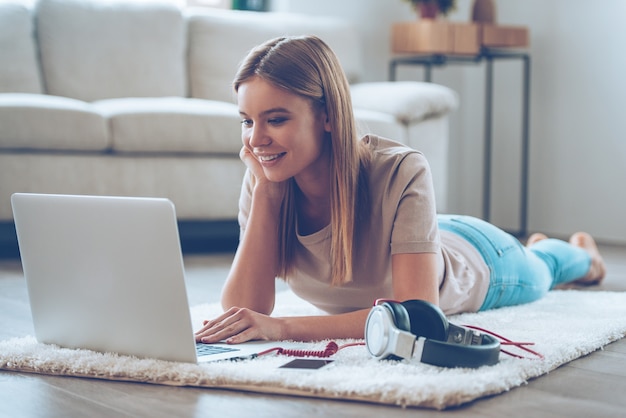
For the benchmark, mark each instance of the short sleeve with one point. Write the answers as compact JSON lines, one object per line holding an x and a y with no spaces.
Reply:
{"x":415,"y":222}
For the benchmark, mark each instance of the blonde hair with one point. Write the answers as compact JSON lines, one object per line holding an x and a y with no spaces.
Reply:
{"x":306,"y":66}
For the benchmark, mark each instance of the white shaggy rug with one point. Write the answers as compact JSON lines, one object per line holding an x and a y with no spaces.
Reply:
{"x":564,"y":325}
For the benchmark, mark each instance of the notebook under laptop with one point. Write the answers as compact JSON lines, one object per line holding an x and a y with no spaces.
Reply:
{"x":106,"y":274}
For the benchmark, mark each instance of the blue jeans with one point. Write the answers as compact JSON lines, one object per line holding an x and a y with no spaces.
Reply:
{"x":518,"y":274}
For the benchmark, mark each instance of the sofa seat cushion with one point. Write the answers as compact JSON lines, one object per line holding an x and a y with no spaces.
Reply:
{"x":172,"y":124}
{"x":93,"y":50}
{"x":19,"y":70}
{"x":408,"y":101}
{"x":42,"y":122}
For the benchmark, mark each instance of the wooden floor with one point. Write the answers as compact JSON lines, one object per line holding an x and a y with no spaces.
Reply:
{"x":593,"y":386}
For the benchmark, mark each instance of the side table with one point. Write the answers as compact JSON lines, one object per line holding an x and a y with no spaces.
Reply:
{"x":489,"y":55}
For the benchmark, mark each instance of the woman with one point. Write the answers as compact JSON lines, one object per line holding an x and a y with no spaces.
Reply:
{"x":346,"y":221}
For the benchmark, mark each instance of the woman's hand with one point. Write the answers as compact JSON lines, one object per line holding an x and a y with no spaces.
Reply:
{"x":270,"y":189}
{"x":252,"y":163}
{"x":238,"y":325}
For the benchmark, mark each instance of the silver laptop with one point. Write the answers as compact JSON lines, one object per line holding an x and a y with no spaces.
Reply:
{"x":106,"y":274}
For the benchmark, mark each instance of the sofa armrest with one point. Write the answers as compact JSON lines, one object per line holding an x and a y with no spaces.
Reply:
{"x":408,"y":101}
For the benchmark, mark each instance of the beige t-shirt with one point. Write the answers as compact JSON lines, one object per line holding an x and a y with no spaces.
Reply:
{"x":402,"y":220}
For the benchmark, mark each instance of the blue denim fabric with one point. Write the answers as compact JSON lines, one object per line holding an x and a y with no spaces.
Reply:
{"x":518,"y":274}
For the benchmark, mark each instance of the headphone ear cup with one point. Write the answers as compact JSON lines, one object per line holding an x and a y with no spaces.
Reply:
{"x":426,"y":320}
{"x":400,"y":315}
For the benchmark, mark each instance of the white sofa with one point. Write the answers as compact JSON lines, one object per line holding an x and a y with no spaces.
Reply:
{"x":123,"y":98}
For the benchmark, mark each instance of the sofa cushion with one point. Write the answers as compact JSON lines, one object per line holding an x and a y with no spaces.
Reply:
{"x":172,"y":124}
{"x":92,"y":50}
{"x":19,"y":69}
{"x":37,"y":121}
{"x":220,"y":39}
{"x":408,"y":101}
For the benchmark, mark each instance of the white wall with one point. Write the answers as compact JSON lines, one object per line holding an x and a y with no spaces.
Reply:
{"x":577,"y":121}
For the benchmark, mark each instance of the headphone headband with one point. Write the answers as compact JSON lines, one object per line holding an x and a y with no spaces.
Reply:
{"x":417,"y":328}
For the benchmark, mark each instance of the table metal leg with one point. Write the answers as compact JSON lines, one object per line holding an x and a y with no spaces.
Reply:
{"x":525,"y":149}
{"x":488,"y":140}
{"x":392,"y":70}
{"x":428,"y":73}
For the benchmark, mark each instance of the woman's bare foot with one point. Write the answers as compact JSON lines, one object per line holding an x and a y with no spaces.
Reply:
{"x":597,"y":271}
{"x":536,"y":237}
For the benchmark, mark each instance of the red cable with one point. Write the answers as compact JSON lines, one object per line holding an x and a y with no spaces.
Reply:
{"x":331,"y":349}
{"x":506,"y":341}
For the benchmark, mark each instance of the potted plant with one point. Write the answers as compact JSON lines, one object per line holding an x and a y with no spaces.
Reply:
{"x":430,"y":9}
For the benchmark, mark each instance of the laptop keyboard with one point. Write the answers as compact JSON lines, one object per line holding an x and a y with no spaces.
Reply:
{"x":208,"y":349}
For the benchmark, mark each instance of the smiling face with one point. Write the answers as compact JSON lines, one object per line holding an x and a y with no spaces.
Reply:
{"x":283,"y":131}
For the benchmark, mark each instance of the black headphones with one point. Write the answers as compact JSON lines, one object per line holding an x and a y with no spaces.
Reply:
{"x":416,"y":328}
